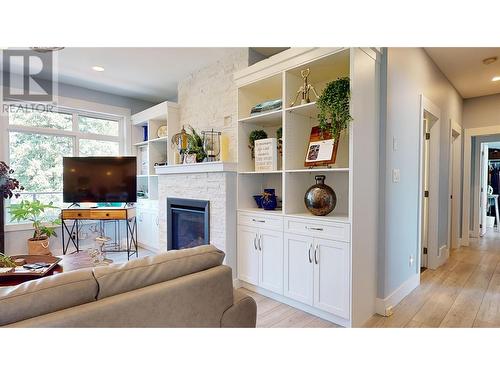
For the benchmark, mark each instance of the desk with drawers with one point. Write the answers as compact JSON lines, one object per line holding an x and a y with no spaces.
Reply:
{"x":71,"y":221}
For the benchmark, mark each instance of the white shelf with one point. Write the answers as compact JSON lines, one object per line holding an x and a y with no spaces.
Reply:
{"x":309,"y":110}
{"x":261,"y":172}
{"x":208,"y":167}
{"x":272,"y":118}
{"x":317,"y":170}
{"x":261,"y":211}
{"x":331,"y":217}
{"x":143,"y":143}
{"x":162,"y":139}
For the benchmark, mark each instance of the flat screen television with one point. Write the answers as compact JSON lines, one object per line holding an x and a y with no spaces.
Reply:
{"x":100,"y":179}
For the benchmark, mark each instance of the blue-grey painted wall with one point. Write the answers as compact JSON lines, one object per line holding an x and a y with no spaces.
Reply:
{"x":410,"y":73}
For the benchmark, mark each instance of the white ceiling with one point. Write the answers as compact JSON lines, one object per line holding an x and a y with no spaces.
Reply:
{"x":464,"y":68}
{"x":149,"y":74}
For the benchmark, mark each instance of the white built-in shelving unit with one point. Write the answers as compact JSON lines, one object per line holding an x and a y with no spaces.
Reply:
{"x":325,"y":265}
{"x":150,"y":151}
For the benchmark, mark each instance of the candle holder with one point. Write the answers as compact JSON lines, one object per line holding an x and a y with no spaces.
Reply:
{"x":211,"y":144}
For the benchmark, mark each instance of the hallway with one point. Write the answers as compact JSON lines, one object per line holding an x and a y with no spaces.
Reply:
{"x":464,"y":292}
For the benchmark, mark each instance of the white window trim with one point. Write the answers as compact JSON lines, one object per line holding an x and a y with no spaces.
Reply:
{"x":73,"y":106}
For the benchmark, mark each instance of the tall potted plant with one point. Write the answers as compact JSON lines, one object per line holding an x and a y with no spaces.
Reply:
{"x":8,"y":189}
{"x":334,"y":112}
{"x":34,"y":211}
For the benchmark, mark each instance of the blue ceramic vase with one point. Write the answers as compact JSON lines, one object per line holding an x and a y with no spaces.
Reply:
{"x":269,"y":201}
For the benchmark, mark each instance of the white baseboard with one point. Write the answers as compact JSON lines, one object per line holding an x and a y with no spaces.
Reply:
{"x":384,"y":306}
{"x":236,"y":283}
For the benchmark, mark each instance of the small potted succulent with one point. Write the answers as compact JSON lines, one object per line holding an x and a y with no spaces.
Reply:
{"x":9,"y":187}
{"x":43,"y":226}
{"x":6,"y":261}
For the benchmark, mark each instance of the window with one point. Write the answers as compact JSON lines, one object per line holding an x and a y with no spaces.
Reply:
{"x":38,"y":141}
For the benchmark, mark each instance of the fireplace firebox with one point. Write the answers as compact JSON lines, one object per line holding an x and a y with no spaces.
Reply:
{"x":188,"y":223}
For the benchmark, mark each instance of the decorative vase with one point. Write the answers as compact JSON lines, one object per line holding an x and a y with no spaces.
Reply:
{"x":320,"y":199}
{"x":39,"y":247}
{"x":269,"y":201}
{"x":258,"y":200}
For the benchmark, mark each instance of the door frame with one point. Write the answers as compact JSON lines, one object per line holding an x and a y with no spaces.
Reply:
{"x":455,"y":135}
{"x":434,"y":259}
{"x":467,"y":152}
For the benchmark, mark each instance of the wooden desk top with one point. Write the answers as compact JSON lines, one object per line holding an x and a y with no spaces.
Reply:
{"x":99,"y":213}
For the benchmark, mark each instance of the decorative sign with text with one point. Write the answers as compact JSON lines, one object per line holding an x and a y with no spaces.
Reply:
{"x":266,"y":154}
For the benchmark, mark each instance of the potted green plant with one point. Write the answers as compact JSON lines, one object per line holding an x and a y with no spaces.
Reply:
{"x":254,"y":136}
{"x":334,"y":112}
{"x":195,"y":146}
{"x":43,"y":226}
{"x":9,"y":187}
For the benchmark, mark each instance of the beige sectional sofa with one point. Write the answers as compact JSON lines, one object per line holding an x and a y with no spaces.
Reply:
{"x":184,"y":288}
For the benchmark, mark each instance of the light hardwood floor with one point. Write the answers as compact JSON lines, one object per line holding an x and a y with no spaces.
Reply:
{"x":271,"y":313}
{"x":464,"y":292}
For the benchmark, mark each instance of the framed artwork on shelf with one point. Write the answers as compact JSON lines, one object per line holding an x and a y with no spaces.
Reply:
{"x":322,"y":149}
{"x":266,"y":155}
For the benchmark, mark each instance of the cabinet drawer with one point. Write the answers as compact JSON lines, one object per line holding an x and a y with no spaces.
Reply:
{"x":74,"y":214}
{"x":261,"y":221}
{"x":110,"y":215}
{"x":316,"y":228}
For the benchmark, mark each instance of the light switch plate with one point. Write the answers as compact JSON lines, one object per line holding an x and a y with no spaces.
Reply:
{"x":395,"y":144}
{"x":396,"y":175}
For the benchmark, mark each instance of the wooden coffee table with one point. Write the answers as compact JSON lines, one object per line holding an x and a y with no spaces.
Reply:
{"x":68,"y":263}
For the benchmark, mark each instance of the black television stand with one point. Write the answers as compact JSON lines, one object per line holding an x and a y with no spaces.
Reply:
{"x":74,"y":205}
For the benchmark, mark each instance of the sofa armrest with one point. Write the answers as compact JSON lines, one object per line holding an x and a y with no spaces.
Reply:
{"x":242,"y":314}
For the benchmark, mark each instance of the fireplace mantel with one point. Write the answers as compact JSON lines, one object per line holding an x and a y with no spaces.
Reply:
{"x":208,"y":167}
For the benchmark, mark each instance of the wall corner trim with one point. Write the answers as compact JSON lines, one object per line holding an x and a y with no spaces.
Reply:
{"x":382,"y":306}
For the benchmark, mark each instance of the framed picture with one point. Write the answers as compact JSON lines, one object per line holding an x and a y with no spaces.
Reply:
{"x":266,"y":154}
{"x":322,"y":149}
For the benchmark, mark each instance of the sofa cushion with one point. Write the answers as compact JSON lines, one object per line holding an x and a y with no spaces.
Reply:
{"x":138,"y":273}
{"x":46,"y":295}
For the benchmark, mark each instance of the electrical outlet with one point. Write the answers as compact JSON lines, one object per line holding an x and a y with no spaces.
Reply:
{"x":396,"y":175}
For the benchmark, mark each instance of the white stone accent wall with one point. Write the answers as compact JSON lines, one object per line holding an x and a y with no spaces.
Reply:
{"x":208,"y":98}
{"x":219,"y":188}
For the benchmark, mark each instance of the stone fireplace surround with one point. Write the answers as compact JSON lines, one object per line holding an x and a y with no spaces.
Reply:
{"x":215,"y":182}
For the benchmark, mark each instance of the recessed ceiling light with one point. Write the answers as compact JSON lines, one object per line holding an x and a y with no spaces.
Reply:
{"x":496,"y":78}
{"x":98,"y":68}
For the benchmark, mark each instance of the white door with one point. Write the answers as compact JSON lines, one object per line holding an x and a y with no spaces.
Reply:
{"x":298,"y":268}
{"x":271,"y":260}
{"x":484,"y":188}
{"x":248,"y":254}
{"x":331,"y":276}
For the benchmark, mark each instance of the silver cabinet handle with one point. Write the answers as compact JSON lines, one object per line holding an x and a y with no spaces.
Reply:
{"x":315,"y":252}
{"x":314,"y":228}
{"x":260,"y":243}
{"x":309,"y":253}
{"x":255,"y":242}
{"x":258,"y":221}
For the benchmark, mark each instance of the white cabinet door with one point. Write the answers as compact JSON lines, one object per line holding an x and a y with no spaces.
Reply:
{"x":142,"y":227}
{"x":155,"y":230}
{"x":271,"y":260}
{"x":331,"y":276}
{"x":248,"y":255}
{"x":298,"y":268}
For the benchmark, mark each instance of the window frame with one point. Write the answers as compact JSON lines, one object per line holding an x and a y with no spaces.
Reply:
{"x":75,"y":134}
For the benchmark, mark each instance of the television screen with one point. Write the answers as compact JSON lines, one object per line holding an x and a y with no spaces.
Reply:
{"x":100,"y":179}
